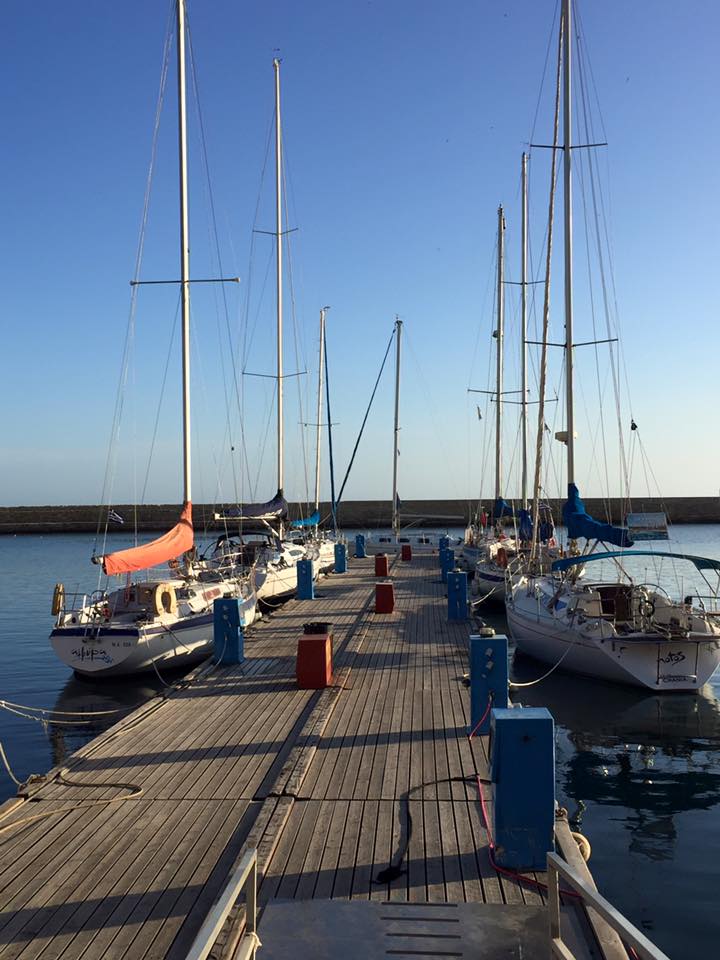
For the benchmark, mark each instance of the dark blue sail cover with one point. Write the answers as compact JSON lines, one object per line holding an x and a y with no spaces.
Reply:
{"x":308,"y":521}
{"x":580,"y":524}
{"x":525,"y":527}
{"x":546,"y":525}
{"x":275,"y":509}
{"x":501,"y":509}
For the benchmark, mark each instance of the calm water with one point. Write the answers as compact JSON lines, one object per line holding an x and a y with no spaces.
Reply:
{"x":640,"y":773}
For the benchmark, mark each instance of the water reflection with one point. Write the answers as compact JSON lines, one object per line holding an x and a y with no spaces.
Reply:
{"x":85,"y":699}
{"x":655,"y":756}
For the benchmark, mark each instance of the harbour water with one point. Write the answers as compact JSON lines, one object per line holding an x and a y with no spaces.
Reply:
{"x":639,"y":773}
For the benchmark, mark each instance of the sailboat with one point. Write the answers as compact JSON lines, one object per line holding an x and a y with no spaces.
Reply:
{"x":488,"y":552}
{"x":262,"y":547}
{"x":621,"y":630}
{"x":319,"y":544}
{"x":167,"y":619}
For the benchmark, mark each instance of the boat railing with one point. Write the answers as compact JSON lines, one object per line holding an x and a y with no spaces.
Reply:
{"x":244,"y":877}
{"x":628,"y":933}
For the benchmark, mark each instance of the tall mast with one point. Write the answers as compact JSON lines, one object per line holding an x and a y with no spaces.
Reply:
{"x":395,"y":511}
{"x":184,"y":250}
{"x":278,"y":278}
{"x":523,"y":333}
{"x":319,"y":408}
{"x":499,"y":335}
{"x":567,"y":178}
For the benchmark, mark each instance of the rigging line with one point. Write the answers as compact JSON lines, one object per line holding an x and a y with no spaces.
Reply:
{"x":333,"y":502}
{"x":266,"y":433}
{"x":215,"y":236}
{"x":581,"y":73}
{"x":593,"y":314}
{"x":160,"y":401}
{"x":299,"y":355}
{"x":111,"y":460}
{"x":250,"y":331}
{"x":546,"y":301}
{"x":367,"y":412}
{"x":544,"y":73}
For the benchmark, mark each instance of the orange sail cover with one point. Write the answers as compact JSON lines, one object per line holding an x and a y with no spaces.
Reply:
{"x":172,"y":544}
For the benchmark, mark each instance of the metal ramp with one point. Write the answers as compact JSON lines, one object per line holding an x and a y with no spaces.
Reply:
{"x":378,"y":930}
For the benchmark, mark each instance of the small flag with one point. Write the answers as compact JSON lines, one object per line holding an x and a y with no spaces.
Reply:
{"x":398,"y":504}
{"x":479,"y":413}
{"x":115,"y":517}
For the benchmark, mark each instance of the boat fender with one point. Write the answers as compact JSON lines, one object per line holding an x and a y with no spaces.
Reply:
{"x":583,"y":843}
{"x":164,"y":599}
{"x":501,"y":557}
{"x":58,"y":600}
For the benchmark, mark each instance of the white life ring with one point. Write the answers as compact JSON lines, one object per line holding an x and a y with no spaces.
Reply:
{"x":164,"y":599}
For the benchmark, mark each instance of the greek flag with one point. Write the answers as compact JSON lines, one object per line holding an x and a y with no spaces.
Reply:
{"x":115,"y":517}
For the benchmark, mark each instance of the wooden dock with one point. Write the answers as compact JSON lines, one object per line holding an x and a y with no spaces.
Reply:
{"x":366,"y":790}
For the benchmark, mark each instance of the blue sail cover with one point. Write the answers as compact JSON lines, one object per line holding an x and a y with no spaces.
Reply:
{"x":275,"y":509}
{"x":308,"y":521}
{"x":501,"y":509}
{"x":525,"y":527}
{"x":581,"y":524}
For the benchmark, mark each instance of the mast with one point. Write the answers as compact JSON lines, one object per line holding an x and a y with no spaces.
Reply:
{"x":567,"y":181}
{"x":184,"y":251}
{"x":278,"y":280}
{"x":319,"y":408}
{"x":499,"y":336}
{"x":523,"y":333}
{"x":395,"y":511}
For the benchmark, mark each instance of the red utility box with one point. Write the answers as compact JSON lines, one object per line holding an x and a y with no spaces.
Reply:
{"x":406,"y":552}
{"x":381,"y":565}
{"x":313,"y":667}
{"x":384,"y":597}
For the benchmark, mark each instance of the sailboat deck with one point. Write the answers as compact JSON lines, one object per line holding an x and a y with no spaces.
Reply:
{"x":333,"y":786}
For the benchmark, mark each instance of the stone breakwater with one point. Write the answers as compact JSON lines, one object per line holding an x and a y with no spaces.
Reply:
{"x":357,"y":514}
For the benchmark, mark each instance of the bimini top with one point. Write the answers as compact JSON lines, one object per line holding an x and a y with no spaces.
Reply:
{"x":702,"y":563}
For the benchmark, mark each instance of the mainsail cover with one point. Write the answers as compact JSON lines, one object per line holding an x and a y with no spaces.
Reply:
{"x":172,"y":544}
{"x":275,"y":509}
{"x":501,"y":508}
{"x":308,"y":521}
{"x":580,"y":524}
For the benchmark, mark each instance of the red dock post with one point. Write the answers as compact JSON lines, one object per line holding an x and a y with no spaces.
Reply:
{"x":384,"y":597}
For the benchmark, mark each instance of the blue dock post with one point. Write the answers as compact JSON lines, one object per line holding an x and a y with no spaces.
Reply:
{"x":488,"y":678}
{"x":457,"y":595}
{"x":360,"y":546}
{"x":340,"y":558}
{"x":305,"y":583}
{"x":227,"y":631}
{"x":447,"y":562}
{"x":522,"y":767}
{"x":443,"y":544}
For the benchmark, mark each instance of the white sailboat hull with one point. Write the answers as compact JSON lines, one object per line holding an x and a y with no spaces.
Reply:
{"x":644,"y":660}
{"x":120,"y":649}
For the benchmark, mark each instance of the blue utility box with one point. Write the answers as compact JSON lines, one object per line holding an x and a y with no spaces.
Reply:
{"x":360,"y":546}
{"x":305,"y":582}
{"x":340,"y":558}
{"x":443,"y":544}
{"x":447,"y":562}
{"x":522,"y":765}
{"x":228,"y":634}
{"x":457,"y":595}
{"x":488,"y":678}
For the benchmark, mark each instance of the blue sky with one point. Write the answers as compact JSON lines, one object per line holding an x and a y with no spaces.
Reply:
{"x":404,"y":124}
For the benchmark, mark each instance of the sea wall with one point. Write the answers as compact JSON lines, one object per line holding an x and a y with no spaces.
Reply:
{"x":362,"y":514}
